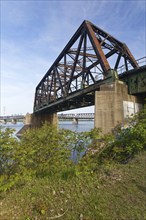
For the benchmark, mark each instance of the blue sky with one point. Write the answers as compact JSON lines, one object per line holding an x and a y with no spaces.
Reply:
{"x":33,"y":33}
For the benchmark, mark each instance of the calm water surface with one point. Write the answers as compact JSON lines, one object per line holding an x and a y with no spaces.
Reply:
{"x":80,"y":127}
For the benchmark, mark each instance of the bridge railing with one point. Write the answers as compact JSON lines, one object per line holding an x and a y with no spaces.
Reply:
{"x":78,"y":116}
{"x":10,"y":117}
{"x":141,"y":62}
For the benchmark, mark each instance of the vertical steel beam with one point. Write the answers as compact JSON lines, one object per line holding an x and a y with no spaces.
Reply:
{"x":60,"y":83}
{"x":75,"y":61}
{"x":118,"y":61}
{"x":126,"y":65}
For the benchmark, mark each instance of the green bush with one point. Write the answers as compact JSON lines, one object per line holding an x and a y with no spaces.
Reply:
{"x":41,"y":152}
{"x":127,"y":142}
{"x":8,"y":146}
{"x":47,"y":151}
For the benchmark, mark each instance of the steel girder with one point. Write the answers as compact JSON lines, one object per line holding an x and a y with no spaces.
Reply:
{"x":88,"y":57}
{"x":136,"y":81}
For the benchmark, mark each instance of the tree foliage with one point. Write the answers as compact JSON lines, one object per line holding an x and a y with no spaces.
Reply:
{"x":127,"y":141}
{"x":7,"y":151}
{"x":49,"y":151}
{"x":41,"y":152}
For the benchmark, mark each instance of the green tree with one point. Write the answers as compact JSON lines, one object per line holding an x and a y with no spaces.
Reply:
{"x":8,"y":145}
{"x":128,"y":142}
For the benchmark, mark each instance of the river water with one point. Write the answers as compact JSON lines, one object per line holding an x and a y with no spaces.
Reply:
{"x":86,"y":125}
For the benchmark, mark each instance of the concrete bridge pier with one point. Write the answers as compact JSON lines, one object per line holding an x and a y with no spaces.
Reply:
{"x":14,"y":121}
{"x":75,"y":121}
{"x":5,"y":121}
{"x":37,"y":120}
{"x":113,"y":104}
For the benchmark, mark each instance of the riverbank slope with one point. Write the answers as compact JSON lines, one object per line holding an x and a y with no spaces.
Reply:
{"x":116,"y":191}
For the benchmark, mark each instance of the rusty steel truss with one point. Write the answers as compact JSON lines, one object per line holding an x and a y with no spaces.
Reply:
{"x":88,"y":57}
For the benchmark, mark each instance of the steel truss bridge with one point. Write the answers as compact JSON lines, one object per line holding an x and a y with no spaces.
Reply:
{"x":91,"y":58}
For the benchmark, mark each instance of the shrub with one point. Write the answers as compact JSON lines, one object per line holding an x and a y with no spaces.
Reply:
{"x":47,"y":151}
{"x":8,"y":146}
{"x":41,"y":152}
{"x":127,"y":142}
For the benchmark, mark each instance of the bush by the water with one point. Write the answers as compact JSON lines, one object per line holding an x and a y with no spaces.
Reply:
{"x":46,"y":151}
{"x":128,"y":141}
{"x":41,"y":152}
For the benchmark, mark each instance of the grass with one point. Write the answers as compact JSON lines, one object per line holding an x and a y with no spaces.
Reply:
{"x":113,"y":192}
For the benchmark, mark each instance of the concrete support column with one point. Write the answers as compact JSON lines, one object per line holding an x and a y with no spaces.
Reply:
{"x":37,"y":120}
{"x":110,"y":104}
{"x":14,"y":121}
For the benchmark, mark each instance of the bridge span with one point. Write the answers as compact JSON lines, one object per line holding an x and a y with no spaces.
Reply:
{"x":60,"y":116}
{"x":79,"y":116}
{"x":94,"y":68}
{"x":12,"y":118}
